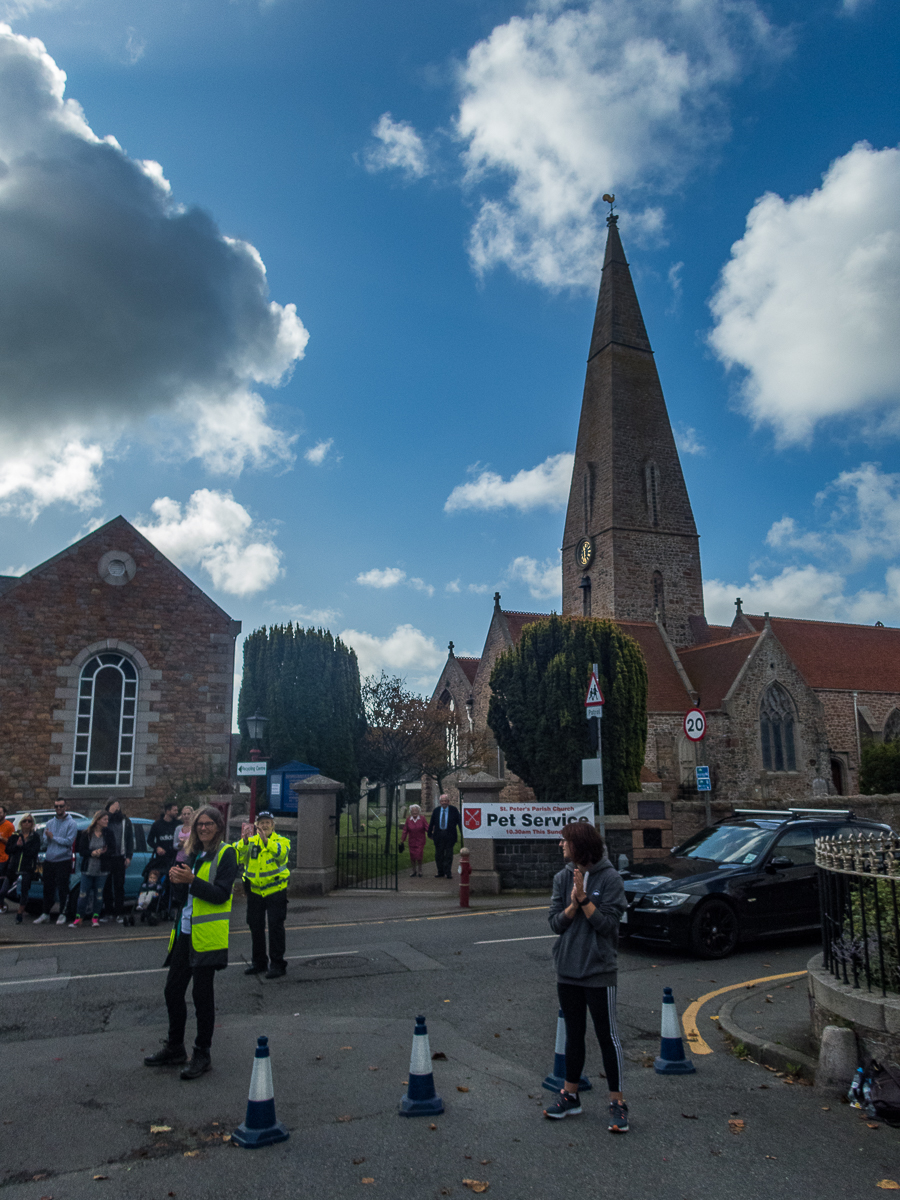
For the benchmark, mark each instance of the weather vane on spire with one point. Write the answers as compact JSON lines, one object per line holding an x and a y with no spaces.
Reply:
{"x":610,"y":199}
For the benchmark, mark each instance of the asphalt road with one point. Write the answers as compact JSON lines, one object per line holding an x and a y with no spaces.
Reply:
{"x":78,"y":1009}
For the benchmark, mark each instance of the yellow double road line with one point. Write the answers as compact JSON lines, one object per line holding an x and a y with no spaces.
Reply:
{"x":689,"y":1020}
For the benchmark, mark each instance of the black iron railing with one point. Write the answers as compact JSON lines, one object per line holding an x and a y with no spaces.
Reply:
{"x":367,"y":847}
{"x":858,"y":893}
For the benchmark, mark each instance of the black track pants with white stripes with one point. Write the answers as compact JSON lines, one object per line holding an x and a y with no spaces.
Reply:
{"x":575,"y":1001}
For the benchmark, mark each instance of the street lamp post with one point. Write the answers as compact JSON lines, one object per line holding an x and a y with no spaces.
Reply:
{"x":254,"y":732}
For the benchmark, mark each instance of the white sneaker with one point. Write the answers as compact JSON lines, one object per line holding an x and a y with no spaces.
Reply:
{"x":120,"y":920}
{"x":61,"y":919}
{"x":41,"y":920}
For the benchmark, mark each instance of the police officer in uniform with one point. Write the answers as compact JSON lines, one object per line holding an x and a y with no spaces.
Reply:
{"x":198,"y":946}
{"x":263,"y":857}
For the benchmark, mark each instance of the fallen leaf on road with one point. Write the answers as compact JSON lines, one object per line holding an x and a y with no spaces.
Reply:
{"x":476,"y":1185}
{"x":101,"y":1177}
{"x":439,"y":1054}
{"x":788,"y":986}
{"x":871,"y":1124}
{"x":357,"y":1161}
{"x":160,"y":1128}
{"x":772,"y":1157}
{"x":345,"y":1118}
{"x":35,"y":1178}
{"x":485,"y":1161}
{"x":736,"y":1126}
{"x":826,"y":1108}
{"x":689,"y":1116}
{"x":214,"y":1122}
{"x":405,"y":1082}
{"x":191,"y":1153}
{"x":373,"y":1068}
{"x":368,"y":1179}
{"x":889,"y":1185}
{"x":432,"y":1126}
{"x":226,"y":1137}
{"x":769,"y":1000}
{"x":445,"y":1191}
{"x":346,"y":1047}
{"x":318,"y":1058}
{"x":461,"y":1089}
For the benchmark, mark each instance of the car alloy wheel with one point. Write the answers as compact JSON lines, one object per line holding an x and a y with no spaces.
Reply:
{"x":714,"y":930}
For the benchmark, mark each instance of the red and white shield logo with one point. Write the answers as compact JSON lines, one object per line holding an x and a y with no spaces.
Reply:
{"x":472,"y":818}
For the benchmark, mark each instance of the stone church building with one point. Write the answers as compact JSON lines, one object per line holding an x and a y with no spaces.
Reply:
{"x":116,"y":678}
{"x":789,"y":703}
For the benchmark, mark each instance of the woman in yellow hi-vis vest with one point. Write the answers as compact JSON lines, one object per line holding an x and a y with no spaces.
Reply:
{"x":199,"y":943}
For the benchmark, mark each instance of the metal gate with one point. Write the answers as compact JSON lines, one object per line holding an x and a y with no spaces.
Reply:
{"x":367,"y":841}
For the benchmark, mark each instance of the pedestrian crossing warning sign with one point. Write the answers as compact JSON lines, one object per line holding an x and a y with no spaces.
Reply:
{"x":594,"y":699}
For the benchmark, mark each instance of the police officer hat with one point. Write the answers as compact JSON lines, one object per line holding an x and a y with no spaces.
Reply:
{"x":265,"y":815}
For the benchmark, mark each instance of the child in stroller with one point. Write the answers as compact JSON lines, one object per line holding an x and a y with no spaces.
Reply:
{"x":148,"y":903}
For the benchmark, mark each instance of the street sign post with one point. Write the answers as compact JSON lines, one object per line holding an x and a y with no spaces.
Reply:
{"x":251,"y":768}
{"x":704,"y":785}
{"x":593,"y":709}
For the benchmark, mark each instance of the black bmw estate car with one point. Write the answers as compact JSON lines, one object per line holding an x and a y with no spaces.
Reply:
{"x":751,"y":876}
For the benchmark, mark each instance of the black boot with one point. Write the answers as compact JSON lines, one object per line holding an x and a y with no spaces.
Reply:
{"x":200,"y":1063}
{"x":253,"y":969}
{"x":168,"y":1056}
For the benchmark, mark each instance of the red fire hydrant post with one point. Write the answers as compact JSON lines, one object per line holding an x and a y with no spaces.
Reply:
{"x":465,"y":870}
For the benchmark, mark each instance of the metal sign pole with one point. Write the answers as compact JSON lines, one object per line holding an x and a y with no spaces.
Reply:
{"x":600,"y":800}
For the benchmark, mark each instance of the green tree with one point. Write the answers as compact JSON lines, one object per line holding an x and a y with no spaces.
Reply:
{"x":306,"y":683}
{"x":536,"y":711}
{"x":879,"y":773}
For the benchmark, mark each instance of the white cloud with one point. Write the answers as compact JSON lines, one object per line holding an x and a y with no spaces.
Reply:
{"x":16,"y":571}
{"x":391,"y":577}
{"x":688,"y":441}
{"x":215,"y":532}
{"x":399,"y":148}
{"x":307,"y":616}
{"x":378,"y":578}
{"x":795,"y":592}
{"x":577,"y":99}
{"x":544,"y":486}
{"x":407,"y":651}
{"x":809,"y":304}
{"x":544,"y":579}
{"x":126,"y":313}
{"x":319,"y":452}
{"x":479,"y":589}
{"x":453,"y":586}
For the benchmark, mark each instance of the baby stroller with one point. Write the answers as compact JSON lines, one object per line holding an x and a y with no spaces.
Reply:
{"x":149,"y":905}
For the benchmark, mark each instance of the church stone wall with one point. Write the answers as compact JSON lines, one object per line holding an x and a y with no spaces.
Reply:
{"x":48,"y":620}
{"x":840,"y":721}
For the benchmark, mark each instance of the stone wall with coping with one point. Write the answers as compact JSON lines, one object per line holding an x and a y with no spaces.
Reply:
{"x":874,"y":1019}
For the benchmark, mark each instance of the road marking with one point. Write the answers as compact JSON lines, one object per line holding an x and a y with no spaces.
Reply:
{"x":692,"y":1033}
{"x":156,"y":970}
{"x":496,"y":941}
{"x":164,"y":937}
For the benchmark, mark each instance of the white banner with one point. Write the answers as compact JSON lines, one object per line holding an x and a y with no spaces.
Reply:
{"x":521,"y":820}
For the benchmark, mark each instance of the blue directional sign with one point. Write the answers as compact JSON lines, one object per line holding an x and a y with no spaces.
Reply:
{"x":703,"y":783}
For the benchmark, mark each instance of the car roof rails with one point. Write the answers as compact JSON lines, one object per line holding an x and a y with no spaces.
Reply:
{"x":770,"y":814}
{"x":843,"y":813}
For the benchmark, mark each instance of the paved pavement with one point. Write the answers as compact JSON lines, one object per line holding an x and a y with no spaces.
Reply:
{"x":78,"y":1009}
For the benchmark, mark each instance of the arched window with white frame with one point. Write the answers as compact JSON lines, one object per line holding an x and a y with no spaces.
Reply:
{"x":104,"y":733}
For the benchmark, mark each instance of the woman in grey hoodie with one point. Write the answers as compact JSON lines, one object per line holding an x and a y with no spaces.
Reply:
{"x":587,"y":905}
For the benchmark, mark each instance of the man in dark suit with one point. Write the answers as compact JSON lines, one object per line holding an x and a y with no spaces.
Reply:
{"x":442,"y":829}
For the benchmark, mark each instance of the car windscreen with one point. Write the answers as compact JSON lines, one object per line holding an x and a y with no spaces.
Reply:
{"x":727,"y":844}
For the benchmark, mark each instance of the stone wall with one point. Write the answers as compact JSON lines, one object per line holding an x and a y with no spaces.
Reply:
{"x":181,"y":643}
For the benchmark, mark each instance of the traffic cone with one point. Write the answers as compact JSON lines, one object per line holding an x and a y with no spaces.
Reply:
{"x":672,"y":1058}
{"x":420,"y":1100}
{"x":557,"y":1077}
{"x":260,"y":1127}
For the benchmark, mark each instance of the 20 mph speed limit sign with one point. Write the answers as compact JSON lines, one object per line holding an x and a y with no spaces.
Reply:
{"x":695,"y":725}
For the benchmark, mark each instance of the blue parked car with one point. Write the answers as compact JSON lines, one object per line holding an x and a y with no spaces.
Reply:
{"x":133,"y":875}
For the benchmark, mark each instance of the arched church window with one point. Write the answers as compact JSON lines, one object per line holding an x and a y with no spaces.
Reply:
{"x":659,"y":597}
{"x":652,"y":482}
{"x":104,"y":732}
{"x":776,"y":728}
{"x":892,"y":727}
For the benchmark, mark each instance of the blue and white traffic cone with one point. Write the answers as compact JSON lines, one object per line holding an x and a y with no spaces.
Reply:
{"x":421,"y":1100}
{"x":260,"y":1127}
{"x":557,"y":1077}
{"x":672,"y":1058}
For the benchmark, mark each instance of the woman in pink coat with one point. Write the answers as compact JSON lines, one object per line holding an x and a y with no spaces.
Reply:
{"x":415,"y":828}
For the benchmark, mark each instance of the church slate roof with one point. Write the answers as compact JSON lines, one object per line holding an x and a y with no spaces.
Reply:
{"x":713,"y":667}
{"x":838,"y":657}
{"x":469,"y":667}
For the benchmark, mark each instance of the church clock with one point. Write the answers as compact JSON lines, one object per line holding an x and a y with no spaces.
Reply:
{"x":585,"y":552}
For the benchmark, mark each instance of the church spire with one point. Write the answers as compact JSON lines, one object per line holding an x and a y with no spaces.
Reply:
{"x":630,"y":548}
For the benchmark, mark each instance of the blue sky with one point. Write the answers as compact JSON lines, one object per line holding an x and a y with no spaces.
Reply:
{"x":305,"y":290}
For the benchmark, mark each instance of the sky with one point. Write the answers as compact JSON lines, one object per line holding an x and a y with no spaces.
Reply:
{"x":304,"y":290}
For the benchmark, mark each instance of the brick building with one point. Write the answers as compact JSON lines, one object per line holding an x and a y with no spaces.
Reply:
{"x":116,"y":677}
{"x":789,"y":703}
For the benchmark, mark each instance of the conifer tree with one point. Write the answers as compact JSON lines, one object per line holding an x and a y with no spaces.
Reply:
{"x":306,"y":683}
{"x":537,"y":714}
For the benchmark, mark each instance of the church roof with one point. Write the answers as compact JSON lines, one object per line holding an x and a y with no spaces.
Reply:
{"x":831,"y":655}
{"x":713,"y":667}
{"x":618,"y":317}
{"x":469,"y":667}
{"x":665,"y":689}
{"x":516,"y":622}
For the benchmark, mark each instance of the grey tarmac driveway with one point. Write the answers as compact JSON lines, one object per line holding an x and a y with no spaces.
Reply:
{"x":79,"y":1103}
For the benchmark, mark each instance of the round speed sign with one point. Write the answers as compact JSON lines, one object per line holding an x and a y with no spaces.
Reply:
{"x":695,"y":724}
